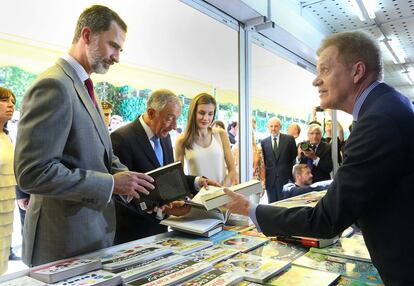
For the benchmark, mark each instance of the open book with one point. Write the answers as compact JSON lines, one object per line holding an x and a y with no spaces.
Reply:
{"x":198,"y":221}
{"x":214,"y":197}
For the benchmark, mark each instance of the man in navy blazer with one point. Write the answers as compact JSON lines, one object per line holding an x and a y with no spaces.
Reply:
{"x":134,"y":147}
{"x":279,"y":153}
{"x":374,"y":186}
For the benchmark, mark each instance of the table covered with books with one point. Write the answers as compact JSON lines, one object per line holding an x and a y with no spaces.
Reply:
{"x":237,"y":255}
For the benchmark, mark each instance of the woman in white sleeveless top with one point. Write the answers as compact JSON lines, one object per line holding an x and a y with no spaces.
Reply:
{"x":205,"y":151}
{"x":7,"y":180}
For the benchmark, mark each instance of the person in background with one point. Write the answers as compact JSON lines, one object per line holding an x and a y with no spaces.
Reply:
{"x":107,"y":112}
{"x":374,"y":185}
{"x":64,"y":157}
{"x":303,"y":182}
{"x":205,"y":150}
{"x":232,"y":129}
{"x":294,"y":130}
{"x":340,"y":138}
{"x":279,"y":153}
{"x":115,"y":122}
{"x":218,"y":124}
{"x":7,"y":180}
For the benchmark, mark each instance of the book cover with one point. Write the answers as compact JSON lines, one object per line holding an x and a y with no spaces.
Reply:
{"x":247,"y":283}
{"x":143,"y":268}
{"x":130,"y":256}
{"x":279,"y":251}
{"x":300,"y":276}
{"x":172,"y":275}
{"x":305,"y":200}
{"x":93,"y":278}
{"x":243,"y":243}
{"x":348,"y":247}
{"x":183,"y":246}
{"x":345,"y":281}
{"x":23,"y":281}
{"x":170,"y":184}
{"x":360,"y":270}
{"x":253,"y":268}
{"x":214,"y":278}
{"x":222,"y":235}
{"x":214,"y":197}
{"x":239,"y":228}
{"x":63,"y":269}
{"x":214,"y":254}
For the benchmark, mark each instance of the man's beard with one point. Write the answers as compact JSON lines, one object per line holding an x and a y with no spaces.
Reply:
{"x":96,"y":61}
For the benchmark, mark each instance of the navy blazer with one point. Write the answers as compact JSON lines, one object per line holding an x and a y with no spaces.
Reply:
{"x":373,"y":187}
{"x":323,"y":170}
{"x":131,"y":144}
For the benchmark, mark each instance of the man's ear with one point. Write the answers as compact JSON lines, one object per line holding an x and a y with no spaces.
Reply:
{"x":86,"y":34}
{"x":151,"y":113}
{"x":359,"y":70}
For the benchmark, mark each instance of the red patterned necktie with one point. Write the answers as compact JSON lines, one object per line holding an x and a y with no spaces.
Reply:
{"x":89,"y":87}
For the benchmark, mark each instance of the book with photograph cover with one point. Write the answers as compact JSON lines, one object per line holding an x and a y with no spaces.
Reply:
{"x":348,"y":247}
{"x":170,"y":184}
{"x":346,"y":281}
{"x":132,"y":255}
{"x":243,"y":243}
{"x":213,"y":254}
{"x":360,"y":270}
{"x":93,"y":278}
{"x":182,"y":245}
{"x":300,"y":276}
{"x":23,"y":281}
{"x":280,"y":251}
{"x":214,"y":197}
{"x":143,"y":268}
{"x":214,"y":278}
{"x":173,"y":275}
{"x":64,"y":269}
{"x":253,"y":268}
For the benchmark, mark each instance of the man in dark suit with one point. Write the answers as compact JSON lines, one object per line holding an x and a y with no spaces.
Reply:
{"x":374,"y":185}
{"x":279,"y":153}
{"x":64,"y":157}
{"x":318,"y":157}
{"x":134,"y":145}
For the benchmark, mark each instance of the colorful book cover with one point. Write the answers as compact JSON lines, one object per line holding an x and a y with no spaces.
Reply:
{"x":214,"y":254}
{"x":93,"y":278}
{"x":64,"y":269}
{"x":280,"y":251}
{"x":173,"y":275}
{"x":247,"y":283}
{"x":222,"y":235}
{"x":130,"y":256}
{"x":23,"y":281}
{"x":300,"y":276}
{"x":253,"y":268}
{"x":182,"y":245}
{"x":243,"y":243}
{"x":345,"y":281}
{"x":305,"y":200}
{"x":214,"y":278}
{"x":143,"y":268}
{"x":360,"y":270}
{"x":348,"y":247}
{"x":239,"y":228}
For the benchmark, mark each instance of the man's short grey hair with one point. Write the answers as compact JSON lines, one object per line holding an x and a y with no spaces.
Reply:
{"x":160,"y":98}
{"x":313,"y":127}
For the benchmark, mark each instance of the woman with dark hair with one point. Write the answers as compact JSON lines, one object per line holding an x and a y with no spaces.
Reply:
{"x":7,"y":180}
{"x":205,"y":150}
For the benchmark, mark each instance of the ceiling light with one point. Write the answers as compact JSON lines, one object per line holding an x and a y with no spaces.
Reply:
{"x":397,"y":54}
{"x":364,"y":9}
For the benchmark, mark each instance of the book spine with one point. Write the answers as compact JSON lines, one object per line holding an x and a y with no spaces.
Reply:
{"x":300,"y":241}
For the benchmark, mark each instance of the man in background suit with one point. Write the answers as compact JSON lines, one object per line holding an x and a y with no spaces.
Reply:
{"x":374,"y":185}
{"x":279,"y":153}
{"x":136,"y":146}
{"x":319,"y":156}
{"x":64,"y":157}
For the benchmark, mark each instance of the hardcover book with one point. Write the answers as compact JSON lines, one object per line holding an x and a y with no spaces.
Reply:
{"x":348,"y":247}
{"x":23,"y":281}
{"x":300,"y":276}
{"x":170,"y":185}
{"x":173,"y":275}
{"x":143,"y":268}
{"x":279,"y":251}
{"x":214,"y":278}
{"x":308,"y":241}
{"x":253,"y":268}
{"x":214,"y":254}
{"x":183,"y":246}
{"x":347,"y":267}
{"x":214,"y":197}
{"x":93,"y":278}
{"x":64,"y":269}
{"x":243,"y":243}
{"x":305,"y":200}
{"x":130,"y":256}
